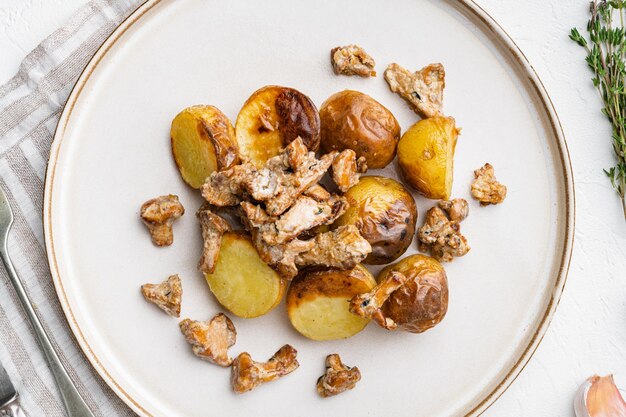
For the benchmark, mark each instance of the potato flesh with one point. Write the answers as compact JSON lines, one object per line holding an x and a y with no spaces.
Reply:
{"x":242,"y":282}
{"x":426,"y":156}
{"x":327,"y":318}
{"x":193,"y":151}
{"x":256,"y":144}
{"x":203,"y":141}
{"x":273,"y":117}
{"x":318,"y":303}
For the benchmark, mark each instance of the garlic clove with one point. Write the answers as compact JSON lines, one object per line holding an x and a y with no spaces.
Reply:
{"x":599,"y":397}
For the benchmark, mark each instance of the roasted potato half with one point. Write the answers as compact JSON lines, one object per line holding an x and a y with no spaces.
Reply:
{"x":242,"y":282}
{"x":385,"y":214}
{"x":426,"y":156}
{"x":318,"y":302}
{"x":203,"y":141}
{"x":422,"y":302}
{"x":353,"y":120}
{"x":271,"y":118}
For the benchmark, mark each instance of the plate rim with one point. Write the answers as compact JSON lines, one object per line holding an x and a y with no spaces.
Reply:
{"x":466,"y":7}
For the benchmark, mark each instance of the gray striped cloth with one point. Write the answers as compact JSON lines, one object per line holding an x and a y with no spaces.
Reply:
{"x":30,"y":106}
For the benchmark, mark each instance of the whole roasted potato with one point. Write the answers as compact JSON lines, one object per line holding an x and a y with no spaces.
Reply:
{"x":426,"y":156}
{"x":203,"y":141}
{"x":422,"y":301}
{"x":318,"y":302}
{"x":385,"y":214}
{"x":353,"y":120}
{"x":272,"y":118}
{"x":241,"y":281}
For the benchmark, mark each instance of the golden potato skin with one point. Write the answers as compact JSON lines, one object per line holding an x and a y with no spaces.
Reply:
{"x":272,"y":118}
{"x":422,"y":302}
{"x":203,"y":141}
{"x":426,"y":156}
{"x":385,"y":214}
{"x":242,"y":282}
{"x":318,"y":302}
{"x":353,"y":120}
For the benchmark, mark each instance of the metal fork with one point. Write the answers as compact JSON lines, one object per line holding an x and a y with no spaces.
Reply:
{"x":74,"y":403}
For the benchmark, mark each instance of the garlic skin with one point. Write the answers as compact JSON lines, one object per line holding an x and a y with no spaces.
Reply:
{"x":599,"y":397}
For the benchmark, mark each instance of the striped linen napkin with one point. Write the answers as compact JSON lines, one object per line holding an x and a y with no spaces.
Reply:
{"x":30,"y":106}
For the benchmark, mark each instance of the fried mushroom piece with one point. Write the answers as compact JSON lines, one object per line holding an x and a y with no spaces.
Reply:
{"x":210,"y":340}
{"x":342,"y":248}
{"x":158,"y":214}
{"x":247,"y":374}
{"x":317,"y":193}
{"x":338,"y":377}
{"x":369,"y":305}
{"x":352,"y":60}
{"x":346,"y":169}
{"x":166,"y":295}
{"x":305,"y":214}
{"x":485,"y":188}
{"x":278,"y":184}
{"x":309,"y":173}
{"x":441,"y":237}
{"x":423,"y":89}
{"x":282,"y":257}
{"x":456,"y":209}
{"x":213,"y":227}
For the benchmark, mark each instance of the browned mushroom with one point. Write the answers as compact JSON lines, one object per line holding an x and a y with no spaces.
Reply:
{"x":352,"y":60}
{"x":166,"y":295}
{"x":213,"y":227}
{"x":338,"y":377}
{"x":247,"y":374}
{"x":369,"y":305}
{"x":346,"y":169}
{"x":441,"y":237}
{"x":485,"y":187}
{"x":422,"y":89}
{"x":158,"y":214}
{"x":456,"y":209}
{"x":210,"y":340}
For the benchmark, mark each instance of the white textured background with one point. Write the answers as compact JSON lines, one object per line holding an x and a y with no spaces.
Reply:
{"x":588,"y":333}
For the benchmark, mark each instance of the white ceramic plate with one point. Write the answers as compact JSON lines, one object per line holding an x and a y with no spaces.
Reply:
{"x":111,"y":152}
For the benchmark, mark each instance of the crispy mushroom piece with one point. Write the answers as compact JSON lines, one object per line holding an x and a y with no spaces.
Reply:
{"x":338,"y":377}
{"x":369,"y":305}
{"x":317,"y":193}
{"x":441,"y":236}
{"x":158,"y":214}
{"x":210,"y":340}
{"x":352,"y":60}
{"x":342,"y":248}
{"x":278,"y":184}
{"x":213,"y":227}
{"x":456,"y":209}
{"x":247,"y":374}
{"x":166,"y":295}
{"x":346,"y":169}
{"x":485,"y":188}
{"x":423,"y":89}
{"x":305,"y":214}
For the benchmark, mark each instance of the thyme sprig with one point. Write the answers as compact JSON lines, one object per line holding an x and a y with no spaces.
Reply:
{"x":606,"y":54}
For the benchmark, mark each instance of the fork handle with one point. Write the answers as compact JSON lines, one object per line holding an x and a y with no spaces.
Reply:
{"x":12,"y":410}
{"x":74,"y":403}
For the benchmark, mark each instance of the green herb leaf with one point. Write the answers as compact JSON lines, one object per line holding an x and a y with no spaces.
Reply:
{"x":606,"y":57}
